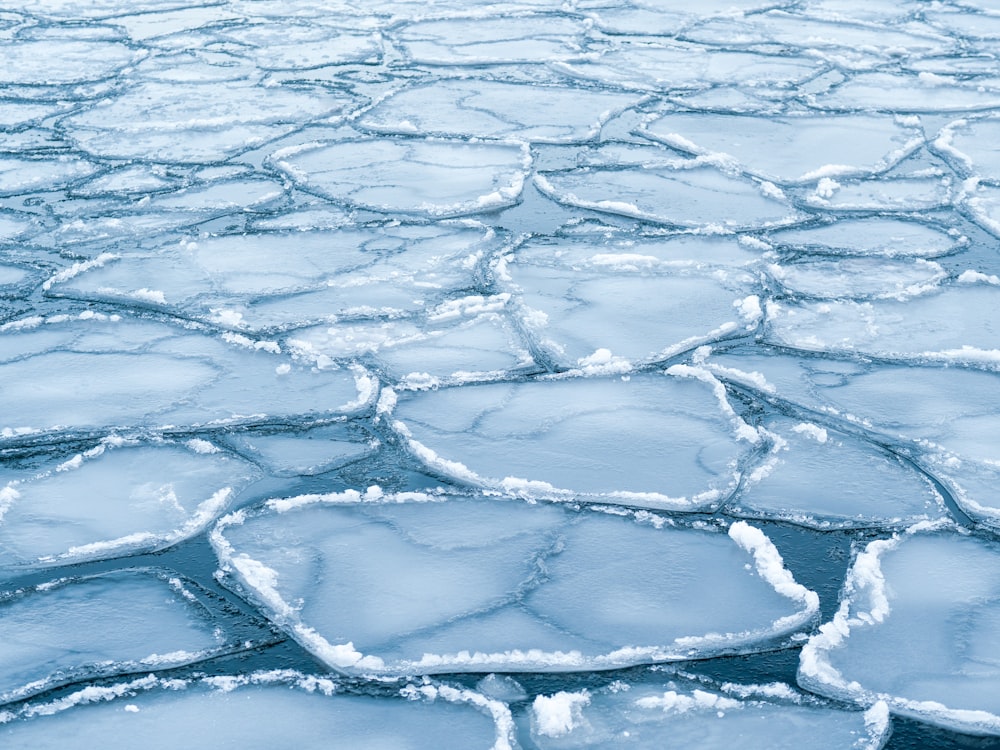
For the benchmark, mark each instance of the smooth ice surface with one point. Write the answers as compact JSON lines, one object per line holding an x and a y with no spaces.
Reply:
{"x":60,"y":632}
{"x":917,"y":628}
{"x":684,"y":713}
{"x":470,"y":584}
{"x":258,"y":710}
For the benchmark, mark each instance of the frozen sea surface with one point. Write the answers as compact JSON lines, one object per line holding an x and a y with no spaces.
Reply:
{"x":501,"y":374}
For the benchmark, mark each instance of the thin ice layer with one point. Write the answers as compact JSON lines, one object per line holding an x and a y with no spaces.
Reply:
{"x":683,"y":713}
{"x":917,"y":628}
{"x":97,"y":373}
{"x":118,"y":623}
{"x":879,"y":237}
{"x":873,"y":487}
{"x":791,"y":149}
{"x":470,"y":584}
{"x":114,"y":498}
{"x":607,"y":438}
{"x":263,"y":709}
{"x":434,"y":178}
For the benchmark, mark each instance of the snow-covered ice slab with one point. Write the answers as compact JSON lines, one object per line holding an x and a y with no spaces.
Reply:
{"x":496,"y":109}
{"x":78,"y":628}
{"x":305,"y":452}
{"x":22,"y":175}
{"x":791,"y":149}
{"x":685,"y":713}
{"x":301,"y":46}
{"x":437,"y":178}
{"x":873,"y":489}
{"x":640,"y":301}
{"x":877,"y":237}
{"x":97,"y":373}
{"x":654,"y":440}
{"x":476,"y":584}
{"x":54,"y":61}
{"x":917,"y":628}
{"x":914,"y":93}
{"x":120,"y":496}
{"x":262,"y":709}
{"x":685,"y":194}
{"x":291,"y":278}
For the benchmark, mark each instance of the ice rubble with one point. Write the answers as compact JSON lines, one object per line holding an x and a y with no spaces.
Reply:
{"x":917,"y":628}
{"x":260,"y":709}
{"x":474,"y":584}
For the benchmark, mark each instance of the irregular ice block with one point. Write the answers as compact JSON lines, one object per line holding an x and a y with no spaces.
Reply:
{"x":682,"y":713}
{"x":684,"y":67}
{"x":953,"y":324}
{"x":98,"y":373}
{"x":121,"y":496}
{"x":424,"y":177}
{"x":973,"y":144}
{"x":917,"y":93}
{"x":286,"y":279}
{"x":23,"y":175}
{"x":649,"y":440}
{"x":917,"y":628}
{"x":60,"y":62}
{"x":688,"y":195}
{"x":74,"y":629}
{"x":470,"y":584}
{"x":262,"y":709}
{"x":302,"y":46}
{"x":494,"y":109}
{"x":858,"y":277}
{"x":872,"y":489}
{"x":790,"y":149}
{"x":883,"y":194}
{"x":628,"y":302}
{"x":199,"y":122}
{"x":537,"y":38}
{"x":879,"y":237}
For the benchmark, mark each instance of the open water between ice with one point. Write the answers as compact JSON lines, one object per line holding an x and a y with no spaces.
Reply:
{"x":510,"y":374}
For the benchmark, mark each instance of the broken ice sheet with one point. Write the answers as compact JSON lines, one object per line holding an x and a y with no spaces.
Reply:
{"x":78,"y":628}
{"x":436,"y":178}
{"x":302,"y":46}
{"x":261,"y":709}
{"x":647,"y":67}
{"x":496,"y":109}
{"x":952,"y":324}
{"x":120,"y":496}
{"x":483,"y":39}
{"x":54,"y":61}
{"x":686,"y":713}
{"x":791,"y":149}
{"x":917,"y":628}
{"x":882,"y":237}
{"x":291,"y":278}
{"x":913,"y":193}
{"x":20,"y":175}
{"x":94,"y":373}
{"x":604,"y":438}
{"x":686,"y":194}
{"x":873,"y":487}
{"x":915,"y":93}
{"x":640,"y":301}
{"x":857,"y":278}
{"x":476,"y":584}
{"x":972,"y":142}
{"x":195,"y":121}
